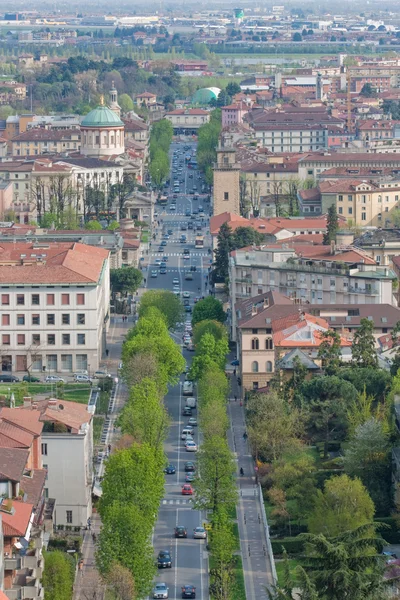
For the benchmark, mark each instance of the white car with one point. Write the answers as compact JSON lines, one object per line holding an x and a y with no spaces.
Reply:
{"x":54,"y":379}
{"x":200,"y":533}
{"x":158,"y":261}
{"x":172,"y":207}
{"x":175,"y":281}
{"x":188,"y":438}
{"x":186,"y":294}
{"x":191,"y":446}
{"x":160,"y":590}
{"x":82,"y":379}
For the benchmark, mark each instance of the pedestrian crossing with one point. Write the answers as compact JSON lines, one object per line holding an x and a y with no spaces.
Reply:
{"x":160,"y":254}
{"x":176,"y":501}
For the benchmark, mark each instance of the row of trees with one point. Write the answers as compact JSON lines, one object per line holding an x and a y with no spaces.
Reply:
{"x":215,"y":487}
{"x":160,"y":141}
{"x":208,"y":137}
{"x":133,"y":484}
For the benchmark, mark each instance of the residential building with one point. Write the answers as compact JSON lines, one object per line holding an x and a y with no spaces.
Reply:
{"x":322,"y":278}
{"x":146,"y":99}
{"x":233,"y":114}
{"x":38,"y":141}
{"x":226,"y":193}
{"x":187,"y":120}
{"x":26,"y":510}
{"x":54,"y":306}
{"x":67,"y":453}
{"x":313,"y":164}
{"x":383,"y":245}
{"x":137,"y":130}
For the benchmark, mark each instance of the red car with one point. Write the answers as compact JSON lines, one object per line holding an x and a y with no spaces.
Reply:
{"x":187,"y":490}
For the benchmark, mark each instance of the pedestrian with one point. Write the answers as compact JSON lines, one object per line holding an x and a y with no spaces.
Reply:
{"x":241,"y":403}
{"x":107,"y":352}
{"x":234,"y":371}
{"x":89,"y":523}
{"x":109,"y":448}
{"x":94,"y":537}
{"x":245,"y":436}
{"x":235,"y":398}
{"x":144,"y":280}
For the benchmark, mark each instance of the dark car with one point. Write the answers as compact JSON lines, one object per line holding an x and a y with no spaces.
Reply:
{"x":235,"y":363}
{"x":190,"y":225}
{"x":7,"y":378}
{"x":170,"y":470}
{"x":188,"y":591}
{"x":193,"y":268}
{"x":31,"y":379}
{"x":188,"y":309}
{"x":164,"y":560}
{"x":163,"y":271}
{"x":186,"y":301}
{"x":187,"y":411}
{"x":190,"y":467}
{"x":163,"y":243}
{"x":180,"y":531}
{"x":160,"y":249}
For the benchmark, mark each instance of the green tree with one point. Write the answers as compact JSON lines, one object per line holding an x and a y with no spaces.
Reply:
{"x":126,"y":103}
{"x":363,"y":349}
{"x":332,"y":226}
{"x":297,"y":37}
{"x":135,"y":476}
{"x":233,"y":88}
{"x":273,"y":428}
{"x":329,"y":351}
{"x":144,"y":416}
{"x":213,"y":419}
{"x":140,"y":366}
{"x":359,"y":411}
{"x":295,"y":474}
{"x":121,"y":583}
{"x":208,"y":351}
{"x":246,"y":236}
{"x":169,"y":304}
{"x":125,"y":537}
{"x":344,"y":505}
{"x":208,"y":309}
{"x":159,"y":167}
{"x":58,"y":576}
{"x":215,"y":328}
{"x":93,"y":226}
{"x":376,"y":382}
{"x":368,"y":457}
{"x":216,"y":487}
{"x":224,"y":247}
{"x":223,"y":546}
{"x":368,"y":91}
{"x":125,"y":280}
{"x":347,"y":566}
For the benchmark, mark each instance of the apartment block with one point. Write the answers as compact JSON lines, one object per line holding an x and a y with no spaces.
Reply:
{"x":187,"y":120}
{"x":34,"y":142}
{"x":54,"y":306}
{"x":316,"y":163}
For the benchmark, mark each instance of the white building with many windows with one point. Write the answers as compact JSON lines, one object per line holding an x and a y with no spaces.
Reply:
{"x":54,"y":306}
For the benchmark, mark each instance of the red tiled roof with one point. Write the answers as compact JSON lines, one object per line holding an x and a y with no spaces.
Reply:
{"x":12,"y":463}
{"x":12,"y":436}
{"x":16,"y":524}
{"x":71,"y":414}
{"x":30,"y":423}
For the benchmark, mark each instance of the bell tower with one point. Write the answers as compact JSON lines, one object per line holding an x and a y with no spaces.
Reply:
{"x":226,"y":179}
{"x":114,"y":106}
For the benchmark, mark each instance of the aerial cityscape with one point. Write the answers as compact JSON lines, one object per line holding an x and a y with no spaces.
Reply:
{"x":199,"y":301}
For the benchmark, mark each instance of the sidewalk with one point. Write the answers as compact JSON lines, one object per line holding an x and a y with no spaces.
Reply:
{"x":88,"y":584}
{"x":257,"y":567}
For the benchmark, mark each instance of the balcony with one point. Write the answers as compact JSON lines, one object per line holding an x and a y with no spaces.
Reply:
{"x":367,"y":291}
{"x":12,"y":564}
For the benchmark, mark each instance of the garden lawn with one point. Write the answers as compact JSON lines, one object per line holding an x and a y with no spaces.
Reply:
{"x":73,"y":392}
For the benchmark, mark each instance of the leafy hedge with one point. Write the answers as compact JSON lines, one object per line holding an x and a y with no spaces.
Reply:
{"x":292,"y":545}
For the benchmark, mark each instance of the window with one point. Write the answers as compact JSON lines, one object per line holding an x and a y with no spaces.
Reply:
{"x":255,"y":385}
{"x":6,"y":340}
{"x":65,"y":319}
{"x":66,"y":362}
{"x":350,"y":198}
{"x":81,"y":339}
{"x":36,"y":339}
{"x":51,"y":319}
{"x":363,"y":216}
{"x":51,"y":339}
{"x":254,"y":331}
{"x":20,"y":319}
{"x":35,"y":319}
{"x":269,"y":344}
{"x":340,"y":198}
{"x":80,"y":299}
{"x":255,"y":344}
{"x":44,"y":449}
{"x":50,"y":299}
{"x":226,"y":195}
{"x":81,"y":361}
{"x":35,"y":299}
{"x":46,"y":468}
{"x":254,"y":366}
{"x":65,"y":299}
{"x":20,"y":299}
{"x":66,"y":339}
{"x":268,"y":366}
{"x":5,"y":299}
{"x":350,"y":211}
{"x":69,"y":512}
{"x":5,"y":319}
{"x":21,"y":339}
{"x":80,"y":319}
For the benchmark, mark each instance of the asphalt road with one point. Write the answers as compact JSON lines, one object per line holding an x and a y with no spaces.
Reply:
{"x":189,"y":556}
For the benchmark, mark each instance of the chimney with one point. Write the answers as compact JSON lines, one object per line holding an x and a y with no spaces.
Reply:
{"x":52,"y":403}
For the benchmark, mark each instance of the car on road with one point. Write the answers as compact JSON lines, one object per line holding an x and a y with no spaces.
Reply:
{"x":154,"y":273}
{"x":50,"y":379}
{"x":165,"y":257}
{"x":188,"y":309}
{"x":163,"y":243}
{"x":188,"y":591}
{"x":164,"y":560}
{"x":180,"y":531}
{"x":189,"y":477}
{"x":172,"y":207}
{"x":186,"y":301}
{"x":187,"y":411}
{"x":186,"y":294}
{"x":82,"y":379}
{"x":170,"y":470}
{"x":193,"y":268}
{"x":188,"y":212}
{"x":31,"y":379}
{"x":190,"y":466}
{"x":158,"y":261}
{"x":190,"y":225}
{"x":177,"y":288}
{"x":160,"y":249}
{"x":200,"y":533}
{"x":184,"y":227}
{"x":191,"y":446}
{"x":235,"y":363}
{"x":187,"y":490}
{"x":163,"y":271}
{"x":163,"y":264}
{"x":101,"y":374}
{"x":160,"y":590}
{"x":192,"y":422}
{"x":175,"y":281}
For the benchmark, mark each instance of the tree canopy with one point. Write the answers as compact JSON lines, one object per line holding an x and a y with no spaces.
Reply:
{"x":208,"y":309}
{"x":125,"y":280}
{"x":166,"y":302}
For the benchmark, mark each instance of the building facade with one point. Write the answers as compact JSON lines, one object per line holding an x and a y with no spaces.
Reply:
{"x":187,"y":120}
{"x":226,"y":171}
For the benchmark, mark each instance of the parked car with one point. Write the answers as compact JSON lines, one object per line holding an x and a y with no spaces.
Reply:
{"x":31,"y":379}
{"x":180,"y":531}
{"x":160,"y":590}
{"x":82,"y":379}
{"x":101,"y":374}
{"x":54,"y":379}
{"x":164,"y":560}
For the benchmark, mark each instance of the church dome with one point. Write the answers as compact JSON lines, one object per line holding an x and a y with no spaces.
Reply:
{"x":101,"y":116}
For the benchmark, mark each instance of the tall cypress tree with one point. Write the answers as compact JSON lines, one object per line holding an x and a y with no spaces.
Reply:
{"x":222,"y":253}
{"x":332,"y":226}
